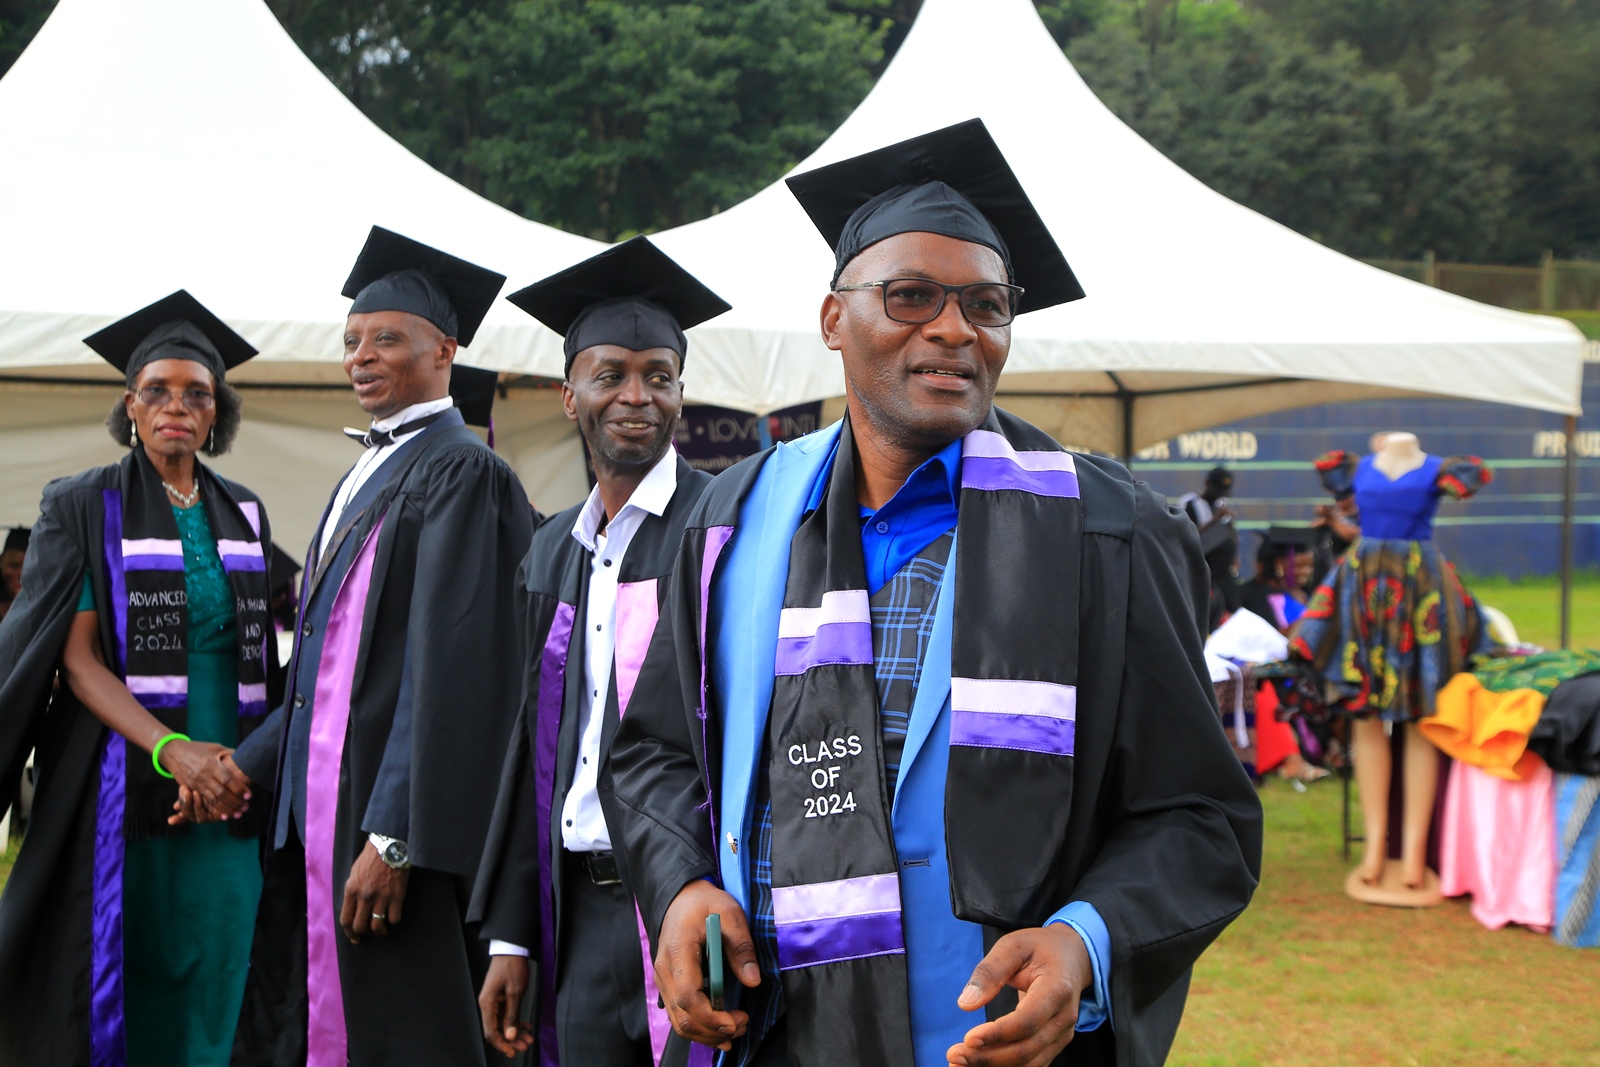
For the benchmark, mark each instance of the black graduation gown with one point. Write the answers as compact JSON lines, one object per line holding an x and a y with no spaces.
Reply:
{"x":46,"y":918}
{"x":553,"y":582}
{"x":439,"y":620}
{"x":1164,"y":832}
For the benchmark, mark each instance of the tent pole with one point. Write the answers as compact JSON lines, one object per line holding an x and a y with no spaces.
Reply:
{"x":1569,"y":490}
{"x":1127,"y":429}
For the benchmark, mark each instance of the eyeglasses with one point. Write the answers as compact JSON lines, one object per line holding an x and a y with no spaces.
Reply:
{"x":158,"y":396}
{"x":919,"y":300}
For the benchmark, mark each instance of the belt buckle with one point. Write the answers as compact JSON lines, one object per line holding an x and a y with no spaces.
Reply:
{"x":602,"y":868}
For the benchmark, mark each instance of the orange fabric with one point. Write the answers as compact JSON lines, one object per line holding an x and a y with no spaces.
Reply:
{"x":1486,"y":729}
{"x":1275,"y":741}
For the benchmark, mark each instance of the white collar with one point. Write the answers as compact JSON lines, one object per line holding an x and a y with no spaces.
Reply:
{"x":653,"y":494}
{"x":415,"y":411}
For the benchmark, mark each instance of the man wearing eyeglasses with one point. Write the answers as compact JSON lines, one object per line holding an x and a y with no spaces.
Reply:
{"x":924,"y":722}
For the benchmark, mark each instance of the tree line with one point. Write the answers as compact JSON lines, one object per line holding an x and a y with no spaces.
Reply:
{"x":1382,"y":128}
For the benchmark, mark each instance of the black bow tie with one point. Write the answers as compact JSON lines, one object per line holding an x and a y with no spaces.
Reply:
{"x":376,"y":438}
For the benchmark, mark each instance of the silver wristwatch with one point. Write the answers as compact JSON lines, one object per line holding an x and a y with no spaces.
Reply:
{"x":392,"y":851}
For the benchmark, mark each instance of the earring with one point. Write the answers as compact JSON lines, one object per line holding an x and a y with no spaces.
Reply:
{"x":211,"y":442}
{"x":133,"y":433}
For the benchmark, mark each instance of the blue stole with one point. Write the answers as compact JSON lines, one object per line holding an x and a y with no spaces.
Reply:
{"x":941,"y":950}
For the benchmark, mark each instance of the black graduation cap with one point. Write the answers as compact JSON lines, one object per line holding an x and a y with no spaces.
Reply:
{"x":17,"y":539}
{"x":473,"y":389}
{"x":954,"y":182}
{"x":284,"y":568}
{"x":395,"y":273}
{"x":1282,"y":540}
{"x":632,"y":294}
{"x":175,"y":327}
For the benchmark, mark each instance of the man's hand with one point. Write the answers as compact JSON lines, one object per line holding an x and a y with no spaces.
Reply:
{"x":500,"y":1004}
{"x":1050,"y":966}
{"x":679,"y":974}
{"x":373,"y":896}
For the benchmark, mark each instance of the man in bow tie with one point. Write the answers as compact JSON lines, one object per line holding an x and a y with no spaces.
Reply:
{"x":402,"y":689}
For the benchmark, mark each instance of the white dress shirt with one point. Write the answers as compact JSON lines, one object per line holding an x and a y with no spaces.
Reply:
{"x":583,"y":823}
{"x":372,"y":459}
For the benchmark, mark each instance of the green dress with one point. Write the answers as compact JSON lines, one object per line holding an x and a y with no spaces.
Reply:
{"x":189,"y":902}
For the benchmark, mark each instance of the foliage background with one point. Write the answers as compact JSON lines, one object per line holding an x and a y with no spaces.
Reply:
{"x":1380,"y":127}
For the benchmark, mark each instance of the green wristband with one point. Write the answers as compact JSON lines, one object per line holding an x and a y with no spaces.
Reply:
{"x":155,"y":753}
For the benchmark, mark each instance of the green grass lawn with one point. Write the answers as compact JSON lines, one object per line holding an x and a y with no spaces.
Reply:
{"x":1310,"y":977}
{"x":1534,"y":604}
{"x":1587,"y":321}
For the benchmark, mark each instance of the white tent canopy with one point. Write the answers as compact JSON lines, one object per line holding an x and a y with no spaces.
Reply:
{"x":188,"y":143}
{"x":166,"y":144}
{"x":1199,"y":310}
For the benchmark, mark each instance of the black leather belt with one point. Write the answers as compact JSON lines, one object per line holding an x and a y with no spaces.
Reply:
{"x":601,"y":867}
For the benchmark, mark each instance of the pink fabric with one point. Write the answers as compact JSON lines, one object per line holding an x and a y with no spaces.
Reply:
{"x":327,"y":1043}
{"x":637,"y":610}
{"x":1497,"y":843}
{"x":654,"y":1013}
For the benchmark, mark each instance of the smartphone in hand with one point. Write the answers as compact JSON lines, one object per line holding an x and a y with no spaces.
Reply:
{"x":714,"y":983}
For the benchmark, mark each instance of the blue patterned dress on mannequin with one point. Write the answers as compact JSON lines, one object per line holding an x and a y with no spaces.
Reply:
{"x":1392,"y":623}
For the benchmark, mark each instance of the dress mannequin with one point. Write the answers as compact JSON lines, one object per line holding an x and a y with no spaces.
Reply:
{"x":1398,"y":454}
{"x":1389,"y":626}
{"x":1379,"y":879}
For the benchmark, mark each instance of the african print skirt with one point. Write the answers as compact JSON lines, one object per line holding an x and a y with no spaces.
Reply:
{"x":1388,"y":627}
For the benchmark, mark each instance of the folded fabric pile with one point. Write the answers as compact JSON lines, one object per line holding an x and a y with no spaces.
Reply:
{"x":1568,"y":738}
{"x":1568,"y":732}
{"x":1521,"y":825}
{"x":1476,"y":725}
{"x":1577,"y":888}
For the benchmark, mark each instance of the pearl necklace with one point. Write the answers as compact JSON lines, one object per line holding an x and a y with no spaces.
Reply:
{"x":186,"y":499}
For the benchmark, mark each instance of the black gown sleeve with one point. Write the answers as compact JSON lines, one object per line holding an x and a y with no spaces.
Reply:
{"x":505,"y":897}
{"x":35,"y":629}
{"x":657,"y":761}
{"x":1182,"y":852}
{"x":257,"y":755}
{"x":464,"y":665}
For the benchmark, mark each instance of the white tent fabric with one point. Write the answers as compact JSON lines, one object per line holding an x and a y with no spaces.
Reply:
{"x":190,"y":144}
{"x":1199,"y":310}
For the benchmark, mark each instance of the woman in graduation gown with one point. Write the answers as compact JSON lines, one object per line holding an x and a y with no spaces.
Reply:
{"x":133,"y":661}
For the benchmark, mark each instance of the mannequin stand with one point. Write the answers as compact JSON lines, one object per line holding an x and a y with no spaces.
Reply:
{"x":1392,"y":891}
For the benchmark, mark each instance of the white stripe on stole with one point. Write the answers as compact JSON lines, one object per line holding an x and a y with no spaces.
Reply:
{"x":841,"y":605}
{"x":152,"y":546}
{"x":152,"y":684}
{"x":990,"y":445}
{"x":1011,"y":697}
{"x":226,"y":547}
